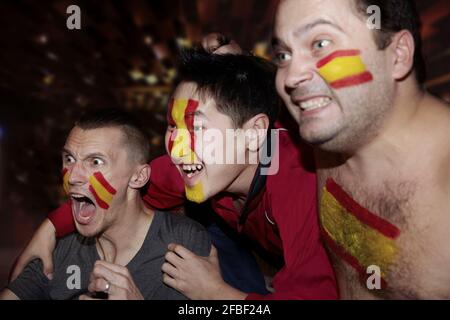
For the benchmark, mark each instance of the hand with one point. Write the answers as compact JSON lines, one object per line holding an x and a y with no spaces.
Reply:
{"x":219,"y":44}
{"x":196,"y":277}
{"x":119,"y":279}
{"x":40,"y":246}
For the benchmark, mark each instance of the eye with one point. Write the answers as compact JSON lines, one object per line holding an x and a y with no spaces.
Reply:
{"x":97,"y":162}
{"x":320,"y":44}
{"x":68,"y":159}
{"x":282,"y":57}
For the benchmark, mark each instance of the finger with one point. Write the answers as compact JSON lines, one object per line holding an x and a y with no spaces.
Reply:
{"x":85,"y":297}
{"x":171,"y":282}
{"x":113,"y":267}
{"x":99,"y":285}
{"x":169,"y":269}
{"x":181,"y":251}
{"x":211,"y":42}
{"x":114,"y":278}
{"x":232,"y":48}
{"x":174,"y":259}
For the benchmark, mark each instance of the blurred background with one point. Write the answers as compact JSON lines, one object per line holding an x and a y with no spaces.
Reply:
{"x":124,"y":56}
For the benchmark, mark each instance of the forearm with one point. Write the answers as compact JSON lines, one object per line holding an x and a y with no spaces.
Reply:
{"x":7,"y":294}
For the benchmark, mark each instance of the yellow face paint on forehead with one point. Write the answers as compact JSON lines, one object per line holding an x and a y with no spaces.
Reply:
{"x":181,"y":147}
{"x":356,"y":235}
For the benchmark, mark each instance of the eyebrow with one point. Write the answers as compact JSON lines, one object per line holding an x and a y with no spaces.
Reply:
{"x":302,"y":30}
{"x":197,"y":113}
{"x":306,"y":28}
{"x":90,"y":155}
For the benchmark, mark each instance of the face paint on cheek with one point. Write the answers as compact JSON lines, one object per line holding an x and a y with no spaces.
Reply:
{"x":182,"y":113}
{"x":356,"y":235}
{"x":65,"y":174}
{"x":102,"y":191}
{"x":195,"y":193}
{"x":344,"y":68}
{"x":182,"y":145}
{"x":170,"y":122}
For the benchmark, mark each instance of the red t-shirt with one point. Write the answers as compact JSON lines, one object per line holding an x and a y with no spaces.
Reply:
{"x":282,"y":218}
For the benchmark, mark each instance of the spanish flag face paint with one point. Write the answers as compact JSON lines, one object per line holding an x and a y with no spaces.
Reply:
{"x":65,"y":174}
{"x":344,"y":68}
{"x":181,"y":144}
{"x":102,"y":191}
{"x":356,"y":235}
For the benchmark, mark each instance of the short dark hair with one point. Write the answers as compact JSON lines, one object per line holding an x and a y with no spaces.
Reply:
{"x":397,"y":15}
{"x":242,"y":85}
{"x":135,"y":137}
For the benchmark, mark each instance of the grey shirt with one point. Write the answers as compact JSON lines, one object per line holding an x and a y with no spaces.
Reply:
{"x":74,"y":258}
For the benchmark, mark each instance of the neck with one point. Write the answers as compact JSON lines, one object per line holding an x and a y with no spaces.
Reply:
{"x":392,"y":139}
{"x":126,"y":235}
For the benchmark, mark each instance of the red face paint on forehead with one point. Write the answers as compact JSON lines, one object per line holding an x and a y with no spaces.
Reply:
{"x":188,"y":121}
{"x":189,"y":118}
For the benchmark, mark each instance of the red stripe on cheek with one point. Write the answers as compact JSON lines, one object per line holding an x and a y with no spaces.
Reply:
{"x":189,"y":119}
{"x":337,"y":54}
{"x":352,"y":81}
{"x":99,"y":201}
{"x":99,"y":176}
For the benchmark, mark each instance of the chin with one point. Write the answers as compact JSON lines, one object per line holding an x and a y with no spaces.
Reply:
{"x":88,"y":231}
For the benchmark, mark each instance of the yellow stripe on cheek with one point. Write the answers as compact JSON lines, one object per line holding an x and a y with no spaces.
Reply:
{"x":66,"y":182}
{"x":102,"y":193}
{"x":195,"y":193}
{"x":342,"y":67}
{"x":182,"y":143}
{"x":367,"y":245}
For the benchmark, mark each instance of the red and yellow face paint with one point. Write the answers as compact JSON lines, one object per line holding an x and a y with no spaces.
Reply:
{"x":344,"y":68}
{"x":102,"y":191}
{"x":65,"y":174}
{"x":356,"y":235}
{"x":181,"y":146}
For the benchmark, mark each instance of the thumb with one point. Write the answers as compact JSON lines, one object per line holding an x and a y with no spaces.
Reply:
{"x":213,"y":256}
{"x":47,"y":261}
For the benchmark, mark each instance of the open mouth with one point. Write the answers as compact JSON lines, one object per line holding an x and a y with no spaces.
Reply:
{"x":191,"y":170}
{"x":83,"y":208}
{"x":315,"y":103}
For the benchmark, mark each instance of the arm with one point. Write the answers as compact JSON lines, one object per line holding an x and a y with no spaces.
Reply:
{"x":7,"y":294}
{"x":31,"y":284}
{"x":40,"y":246}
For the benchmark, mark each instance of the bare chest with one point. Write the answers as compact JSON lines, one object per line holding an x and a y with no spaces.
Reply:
{"x":387,"y":238}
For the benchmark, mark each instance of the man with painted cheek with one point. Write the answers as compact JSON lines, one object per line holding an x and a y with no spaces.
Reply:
{"x":382,"y":143}
{"x":121,"y":243}
{"x":259,"y":181}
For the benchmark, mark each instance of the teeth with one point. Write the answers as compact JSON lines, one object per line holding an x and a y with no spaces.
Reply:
{"x":191,"y":169}
{"x":315,"y":103}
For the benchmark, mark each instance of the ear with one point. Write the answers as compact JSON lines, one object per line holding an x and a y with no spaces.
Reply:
{"x":140,"y":176}
{"x":403,"y":49}
{"x":256,"y":131}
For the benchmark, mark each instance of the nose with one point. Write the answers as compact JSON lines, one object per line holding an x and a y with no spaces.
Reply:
{"x":298,"y":72}
{"x":77,"y":175}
